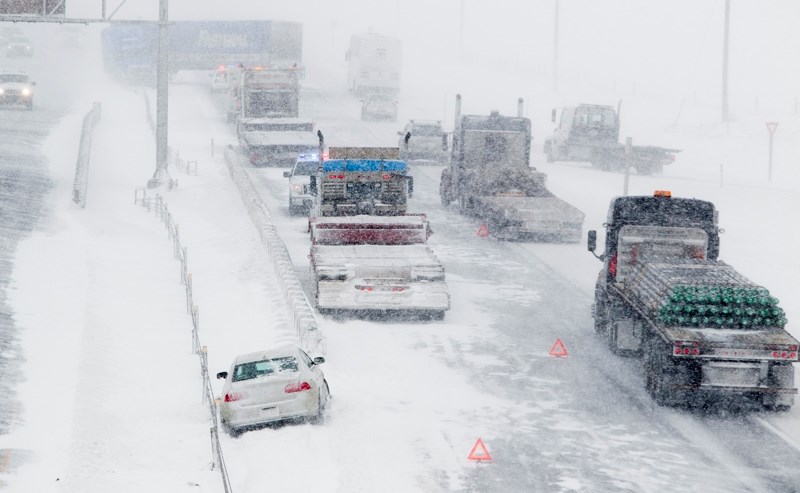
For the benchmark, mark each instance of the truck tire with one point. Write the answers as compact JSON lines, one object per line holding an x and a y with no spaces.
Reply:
{"x":548,"y":151}
{"x":600,"y":315}
{"x":445,"y":188}
{"x":659,"y":376}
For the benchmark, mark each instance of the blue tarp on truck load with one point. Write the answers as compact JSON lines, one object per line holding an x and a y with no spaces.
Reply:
{"x":364,"y":165}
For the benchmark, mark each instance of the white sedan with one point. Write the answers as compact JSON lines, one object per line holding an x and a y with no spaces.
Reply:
{"x":270,"y":386}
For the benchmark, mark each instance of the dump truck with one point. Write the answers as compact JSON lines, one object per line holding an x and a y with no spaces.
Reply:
{"x":275,"y":141}
{"x":490,"y":177}
{"x":705,"y":332}
{"x":590,"y":133}
{"x":363,"y":180}
{"x":377,"y":264}
{"x":262,"y":92}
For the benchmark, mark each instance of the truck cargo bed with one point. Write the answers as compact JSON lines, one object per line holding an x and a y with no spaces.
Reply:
{"x":544,"y":217}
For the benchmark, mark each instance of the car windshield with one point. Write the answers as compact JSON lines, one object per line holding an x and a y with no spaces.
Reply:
{"x":306,"y":168}
{"x":13,"y":78}
{"x":255,"y":369}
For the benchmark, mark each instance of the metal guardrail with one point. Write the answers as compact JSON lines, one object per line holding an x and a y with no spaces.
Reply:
{"x":305,"y":322}
{"x":158,"y":206}
{"x":81,"y":182}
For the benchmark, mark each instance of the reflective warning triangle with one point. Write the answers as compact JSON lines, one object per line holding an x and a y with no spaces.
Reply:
{"x":558,"y":350}
{"x":483,"y":231}
{"x":479,"y":452}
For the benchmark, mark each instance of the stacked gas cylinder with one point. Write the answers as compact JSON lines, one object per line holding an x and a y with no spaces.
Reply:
{"x":703,"y":293}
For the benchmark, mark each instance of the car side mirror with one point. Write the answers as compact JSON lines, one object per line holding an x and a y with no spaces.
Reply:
{"x":444,"y":142}
{"x":222,"y":375}
{"x":287,"y":174}
{"x":591,"y":242}
{"x":318,"y":360}
{"x":553,"y":115}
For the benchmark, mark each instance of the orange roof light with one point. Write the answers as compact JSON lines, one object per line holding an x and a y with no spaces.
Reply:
{"x":662,"y":193}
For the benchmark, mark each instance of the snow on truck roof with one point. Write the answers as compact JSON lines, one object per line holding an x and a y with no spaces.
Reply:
{"x":364,"y":165}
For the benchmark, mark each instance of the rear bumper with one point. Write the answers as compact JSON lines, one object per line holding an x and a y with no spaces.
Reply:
{"x":567,"y":232}
{"x":352,"y":295}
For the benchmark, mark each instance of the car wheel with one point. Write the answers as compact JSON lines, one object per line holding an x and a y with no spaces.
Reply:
{"x":322,"y":403}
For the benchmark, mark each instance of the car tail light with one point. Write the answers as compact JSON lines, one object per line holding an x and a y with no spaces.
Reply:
{"x":233,"y":396}
{"x":612,"y":266}
{"x":297,"y":387}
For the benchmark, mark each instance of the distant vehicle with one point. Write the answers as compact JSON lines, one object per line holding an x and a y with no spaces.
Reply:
{"x":219,"y":80}
{"x":374,"y":63}
{"x":379,"y":107}
{"x":130,"y":51}
{"x":302,"y":182}
{"x":490,"y":177}
{"x":19,"y":47}
{"x":422,"y":140}
{"x":283,"y":384}
{"x":590,"y":132}
{"x":16,"y":88}
{"x":276,"y":141}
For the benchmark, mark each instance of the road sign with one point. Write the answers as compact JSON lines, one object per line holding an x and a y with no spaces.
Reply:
{"x":479,"y":452}
{"x":771,"y":127}
{"x":483,"y":231}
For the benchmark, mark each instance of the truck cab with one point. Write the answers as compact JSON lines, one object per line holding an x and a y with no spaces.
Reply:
{"x":581,"y":131}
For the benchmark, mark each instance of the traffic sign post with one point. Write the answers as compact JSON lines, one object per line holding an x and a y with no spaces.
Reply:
{"x":771,"y":127}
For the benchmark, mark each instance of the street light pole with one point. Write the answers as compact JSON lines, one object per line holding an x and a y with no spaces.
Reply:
{"x":725,"y":114}
{"x":162,"y":78}
{"x":555,"y":52}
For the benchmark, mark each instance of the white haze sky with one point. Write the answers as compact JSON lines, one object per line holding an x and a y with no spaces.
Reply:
{"x":673,"y":48}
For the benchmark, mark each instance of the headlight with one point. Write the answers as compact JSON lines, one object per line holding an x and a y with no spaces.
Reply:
{"x":297,"y":188}
{"x":1,"y":90}
{"x":26,"y":92}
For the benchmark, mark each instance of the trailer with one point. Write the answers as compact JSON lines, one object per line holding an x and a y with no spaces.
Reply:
{"x":705,"y":332}
{"x":275,"y":141}
{"x":130,"y":50}
{"x":377,"y":264}
{"x":590,"y":132}
{"x":490,"y":177}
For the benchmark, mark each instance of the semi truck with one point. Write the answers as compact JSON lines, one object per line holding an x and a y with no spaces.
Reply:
{"x":377,"y":264}
{"x":590,"y":133}
{"x":130,"y":50}
{"x":363,"y":180}
{"x":705,"y":332}
{"x":490,"y":177}
{"x":275,"y":141}
{"x":373,"y":64}
{"x":263,"y":92}
{"x":368,"y":253}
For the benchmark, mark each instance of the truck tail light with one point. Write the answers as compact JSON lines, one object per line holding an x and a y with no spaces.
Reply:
{"x":784,"y":354}
{"x":612,"y":266}
{"x":297,"y":387}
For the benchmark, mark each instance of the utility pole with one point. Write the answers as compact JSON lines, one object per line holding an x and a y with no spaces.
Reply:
{"x":725,"y":114}
{"x":162,"y":78}
{"x":555,"y":52}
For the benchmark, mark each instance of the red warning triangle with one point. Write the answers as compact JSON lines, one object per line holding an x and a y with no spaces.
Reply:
{"x":479,"y":452}
{"x":558,"y":350}
{"x":483,"y":231}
